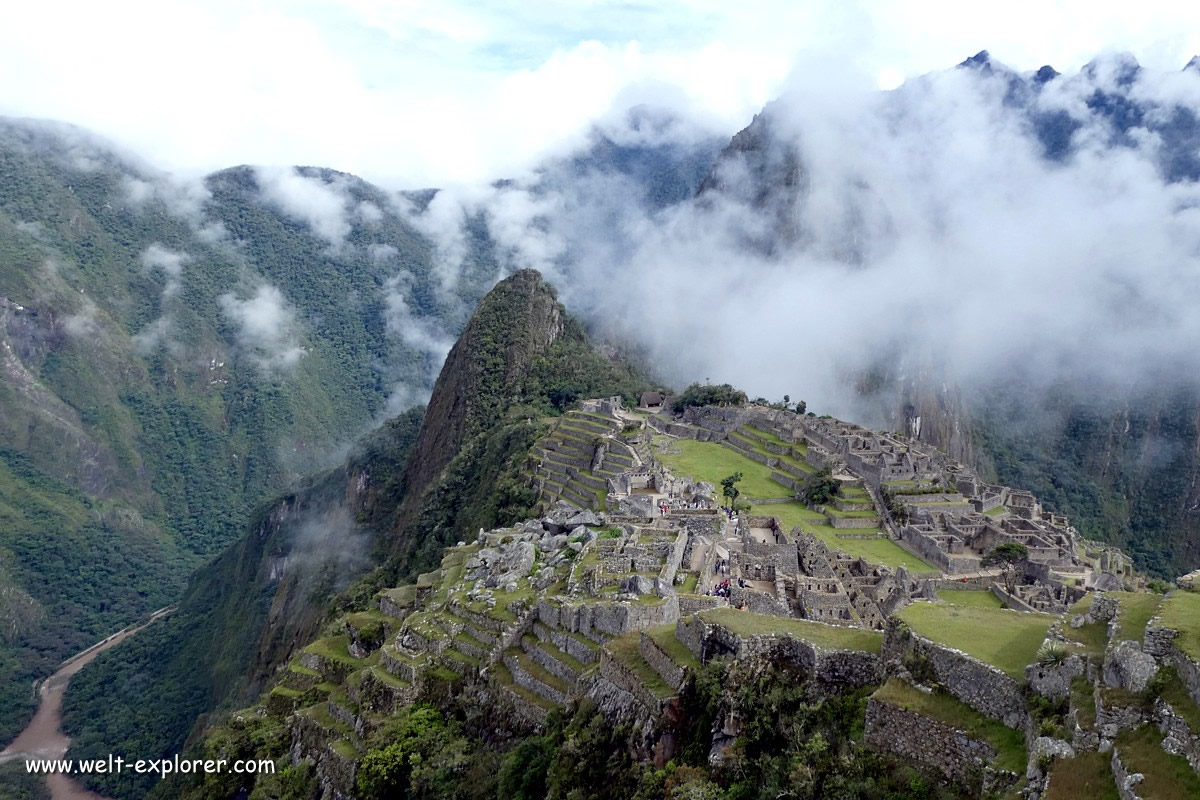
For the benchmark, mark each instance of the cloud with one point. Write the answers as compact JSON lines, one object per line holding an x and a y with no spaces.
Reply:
{"x":921,"y":226}
{"x":322,"y":205}
{"x":267,"y":328}
{"x":170,"y":263}
{"x":429,"y":94}
{"x":427,"y":336}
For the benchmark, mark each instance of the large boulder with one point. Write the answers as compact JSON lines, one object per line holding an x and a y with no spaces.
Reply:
{"x":1128,"y":668}
{"x":585,"y":517}
{"x":1054,"y":680}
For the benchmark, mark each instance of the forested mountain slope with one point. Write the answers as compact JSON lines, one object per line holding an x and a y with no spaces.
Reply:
{"x":172,"y":356}
{"x":381,"y":516}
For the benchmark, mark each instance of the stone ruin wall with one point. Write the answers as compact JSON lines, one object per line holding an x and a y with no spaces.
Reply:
{"x":988,"y":690}
{"x":657,"y":658}
{"x":915,"y":738}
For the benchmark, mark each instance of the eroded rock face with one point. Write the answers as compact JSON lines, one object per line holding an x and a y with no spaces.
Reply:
{"x":1127,"y":667}
{"x":1054,"y":680}
{"x":1043,"y":747}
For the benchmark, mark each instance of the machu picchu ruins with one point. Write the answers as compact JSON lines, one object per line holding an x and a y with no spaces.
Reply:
{"x":638,"y":570}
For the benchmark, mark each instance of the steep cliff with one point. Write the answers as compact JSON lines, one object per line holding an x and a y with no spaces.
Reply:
{"x":516,"y":323}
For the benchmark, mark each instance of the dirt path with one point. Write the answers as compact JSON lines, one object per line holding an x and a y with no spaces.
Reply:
{"x":42,"y":737}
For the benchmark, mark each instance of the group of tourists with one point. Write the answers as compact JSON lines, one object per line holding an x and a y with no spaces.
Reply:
{"x":722,"y":588}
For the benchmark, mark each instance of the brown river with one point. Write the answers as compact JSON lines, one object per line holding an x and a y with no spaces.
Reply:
{"x":42,"y":737}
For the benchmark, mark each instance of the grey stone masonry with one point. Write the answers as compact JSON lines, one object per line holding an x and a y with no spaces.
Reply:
{"x":545,"y":658}
{"x":988,"y":690}
{"x":1178,"y":737}
{"x":531,"y":683}
{"x":1126,"y":781}
{"x":623,"y":678}
{"x":1054,"y":680}
{"x":656,"y":657}
{"x":928,"y":743}
{"x":569,"y":643}
{"x":829,"y":668}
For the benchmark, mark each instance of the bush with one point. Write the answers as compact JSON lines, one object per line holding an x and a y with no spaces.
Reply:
{"x":709,"y":395}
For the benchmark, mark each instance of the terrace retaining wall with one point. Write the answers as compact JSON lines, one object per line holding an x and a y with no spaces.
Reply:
{"x":987,"y":689}
{"x":931,"y":744}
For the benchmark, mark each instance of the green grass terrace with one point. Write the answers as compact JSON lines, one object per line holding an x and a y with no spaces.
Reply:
{"x":711,"y":462}
{"x":969,"y":597}
{"x":882,"y":551}
{"x":1136,"y":609}
{"x":1087,"y":776}
{"x":1008,"y":640}
{"x":831,"y":637}
{"x":1181,"y":612}
{"x":1167,"y":777}
{"x":750,"y":444}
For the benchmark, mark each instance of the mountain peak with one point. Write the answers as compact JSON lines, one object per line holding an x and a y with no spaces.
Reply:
{"x":518,"y":320}
{"x":981,"y":61}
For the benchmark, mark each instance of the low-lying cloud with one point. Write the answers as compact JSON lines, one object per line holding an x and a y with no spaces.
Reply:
{"x":322,"y":205}
{"x":267,"y":328}
{"x":159,"y":259}
{"x":926,"y":225}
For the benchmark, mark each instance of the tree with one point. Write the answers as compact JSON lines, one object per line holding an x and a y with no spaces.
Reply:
{"x":697,"y":395}
{"x":801,"y":407}
{"x":729,"y":488}
{"x":820,"y":489}
{"x":786,"y":399}
{"x":1007,"y":555}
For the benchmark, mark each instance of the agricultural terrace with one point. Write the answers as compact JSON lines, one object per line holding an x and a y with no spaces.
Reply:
{"x":1008,"y":640}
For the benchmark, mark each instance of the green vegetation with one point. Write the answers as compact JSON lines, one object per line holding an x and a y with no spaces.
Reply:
{"x":1008,"y":640}
{"x":152,"y":426}
{"x":711,"y":462}
{"x":1006,"y":555}
{"x":709,"y":395}
{"x":16,"y":783}
{"x":1092,"y":638}
{"x":627,"y":650}
{"x":1009,"y":744}
{"x":833,"y":637}
{"x":1181,"y":612}
{"x":1136,"y":609}
{"x":1083,"y":700}
{"x":729,"y":489}
{"x":881,"y":551}
{"x":1087,"y":775}
{"x":1107,"y":487}
{"x":820,"y":489}
{"x":1167,"y":777}
{"x":969,"y":597}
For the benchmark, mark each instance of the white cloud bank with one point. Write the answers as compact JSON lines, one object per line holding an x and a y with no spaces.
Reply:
{"x":421,"y":93}
{"x":926,"y":226}
{"x":267,"y":328}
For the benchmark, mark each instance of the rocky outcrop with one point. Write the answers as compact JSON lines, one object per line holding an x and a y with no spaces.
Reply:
{"x":1128,"y":668}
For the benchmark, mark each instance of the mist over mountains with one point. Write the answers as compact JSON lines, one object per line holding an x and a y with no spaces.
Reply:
{"x":1004,"y":264}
